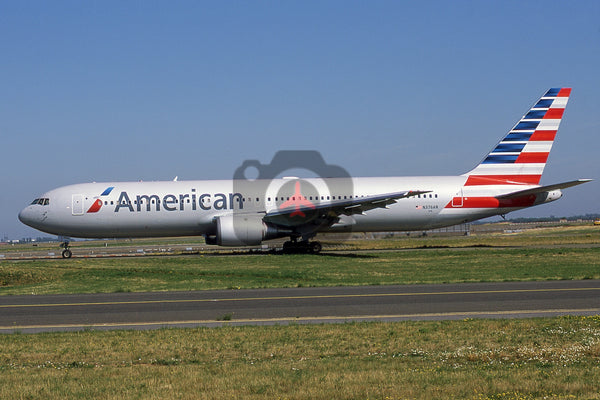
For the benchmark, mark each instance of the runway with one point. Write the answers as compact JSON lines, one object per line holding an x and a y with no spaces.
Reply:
{"x":31,"y":314}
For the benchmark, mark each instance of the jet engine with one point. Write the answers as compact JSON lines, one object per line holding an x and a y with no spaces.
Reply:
{"x":243,"y":230}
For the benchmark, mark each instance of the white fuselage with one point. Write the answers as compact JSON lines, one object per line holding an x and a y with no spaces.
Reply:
{"x":189,"y":208}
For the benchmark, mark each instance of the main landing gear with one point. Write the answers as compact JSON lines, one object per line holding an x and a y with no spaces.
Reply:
{"x":302,"y":247}
{"x":66,"y":253}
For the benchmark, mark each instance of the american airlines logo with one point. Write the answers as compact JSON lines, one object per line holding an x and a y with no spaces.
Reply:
{"x":172,"y":202}
{"x":98,"y":203}
{"x":204,"y":201}
{"x":194,"y":201}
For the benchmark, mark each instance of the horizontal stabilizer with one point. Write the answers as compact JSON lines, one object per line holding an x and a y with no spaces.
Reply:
{"x":543,"y":189}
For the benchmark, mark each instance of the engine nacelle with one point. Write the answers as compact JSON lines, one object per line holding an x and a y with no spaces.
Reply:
{"x":243,"y":230}
{"x":553,"y":195}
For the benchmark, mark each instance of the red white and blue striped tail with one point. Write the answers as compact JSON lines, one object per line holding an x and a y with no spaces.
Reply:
{"x":520,"y":158}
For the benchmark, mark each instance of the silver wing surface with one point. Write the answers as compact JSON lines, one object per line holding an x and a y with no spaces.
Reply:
{"x":312,"y":217}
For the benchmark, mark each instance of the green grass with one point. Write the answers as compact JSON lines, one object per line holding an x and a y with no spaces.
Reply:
{"x":199,"y":272}
{"x":473,"y":359}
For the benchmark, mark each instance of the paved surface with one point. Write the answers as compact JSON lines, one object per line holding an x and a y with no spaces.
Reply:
{"x":301,"y":305}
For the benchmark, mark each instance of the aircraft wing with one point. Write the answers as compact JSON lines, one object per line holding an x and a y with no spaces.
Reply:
{"x":327,"y":213}
{"x":542,"y":189}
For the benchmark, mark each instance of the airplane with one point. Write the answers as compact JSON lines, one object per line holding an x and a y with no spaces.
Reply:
{"x":247,"y":212}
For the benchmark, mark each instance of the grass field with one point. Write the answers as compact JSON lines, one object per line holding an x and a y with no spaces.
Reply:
{"x":548,"y":358}
{"x":198,"y":272}
{"x":542,"y":255}
{"x":472,"y":359}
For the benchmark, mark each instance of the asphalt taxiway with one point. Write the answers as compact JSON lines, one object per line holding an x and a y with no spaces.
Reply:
{"x":30,"y":314}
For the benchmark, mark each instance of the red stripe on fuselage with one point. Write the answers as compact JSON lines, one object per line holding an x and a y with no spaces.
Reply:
{"x":492,"y":202}
{"x":476,"y":180}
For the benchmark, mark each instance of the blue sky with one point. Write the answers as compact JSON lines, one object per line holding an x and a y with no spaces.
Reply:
{"x":109,"y":91}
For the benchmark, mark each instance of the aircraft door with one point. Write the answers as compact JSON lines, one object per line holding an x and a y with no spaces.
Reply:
{"x":457,"y":200}
{"x":77,"y":204}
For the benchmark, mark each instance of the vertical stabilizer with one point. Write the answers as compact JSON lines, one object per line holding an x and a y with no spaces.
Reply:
{"x":521,"y":156}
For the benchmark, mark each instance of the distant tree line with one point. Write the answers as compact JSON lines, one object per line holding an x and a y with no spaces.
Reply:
{"x":552,"y":218}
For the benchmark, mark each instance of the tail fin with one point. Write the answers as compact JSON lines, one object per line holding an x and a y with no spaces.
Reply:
{"x":520,"y":158}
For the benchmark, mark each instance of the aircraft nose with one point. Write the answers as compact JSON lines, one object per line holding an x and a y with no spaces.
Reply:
{"x":24,"y":215}
{"x":28,"y":216}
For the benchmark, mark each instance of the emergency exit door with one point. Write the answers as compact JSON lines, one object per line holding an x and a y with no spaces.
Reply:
{"x":77,"y":204}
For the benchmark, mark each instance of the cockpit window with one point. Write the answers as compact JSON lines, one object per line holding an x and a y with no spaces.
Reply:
{"x":41,"y":202}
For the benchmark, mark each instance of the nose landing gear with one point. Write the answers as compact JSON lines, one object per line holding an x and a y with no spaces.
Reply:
{"x":66,"y":253}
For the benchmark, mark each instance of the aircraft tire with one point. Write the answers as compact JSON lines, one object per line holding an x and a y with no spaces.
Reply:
{"x":315,"y":247}
{"x":67,"y":253}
